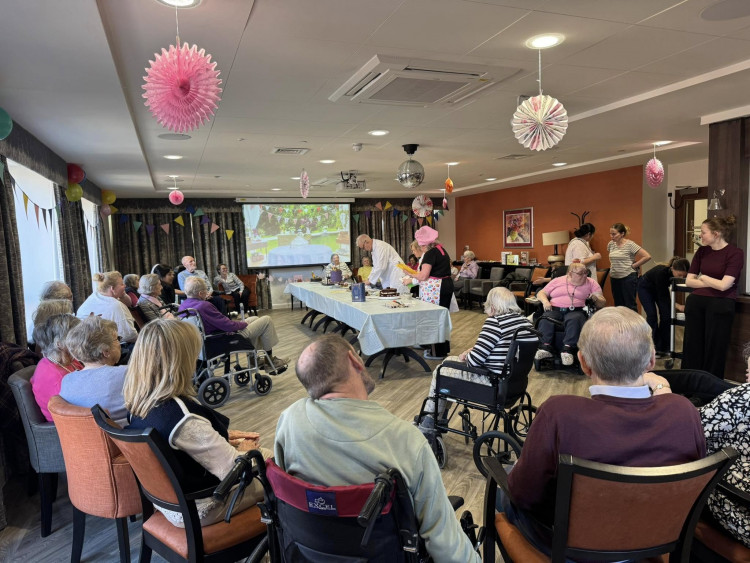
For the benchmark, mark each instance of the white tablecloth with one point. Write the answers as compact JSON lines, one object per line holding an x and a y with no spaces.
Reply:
{"x":379,"y":327}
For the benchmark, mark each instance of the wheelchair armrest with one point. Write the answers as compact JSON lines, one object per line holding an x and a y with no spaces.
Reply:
{"x":461,"y":366}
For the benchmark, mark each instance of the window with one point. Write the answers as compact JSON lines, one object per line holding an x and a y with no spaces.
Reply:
{"x":41,"y":255}
{"x":92,"y":234}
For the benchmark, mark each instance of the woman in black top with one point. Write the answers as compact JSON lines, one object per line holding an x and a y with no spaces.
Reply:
{"x":435,"y":282}
{"x":166,"y":275}
{"x":653,"y":291}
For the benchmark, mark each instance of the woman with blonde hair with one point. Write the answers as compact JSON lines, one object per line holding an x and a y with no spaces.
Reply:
{"x":504,"y":317}
{"x":106,"y":302}
{"x":159,"y":394}
{"x":57,"y":361}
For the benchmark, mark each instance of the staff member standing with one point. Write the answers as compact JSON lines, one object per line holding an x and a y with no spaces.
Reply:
{"x":625,"y":258}
{"x":384,"y":262}
{"x":579,"y":249}
{"x":709,"y":310}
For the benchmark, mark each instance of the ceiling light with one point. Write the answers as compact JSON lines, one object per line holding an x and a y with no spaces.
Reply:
{"x":172,"y":188}
{"x":173,"y":156}
{"x":490,"y":179}
{"x":545,"y":41}
{"x":328,"y":161}
{"x":378,"y":132}
{"x":275,"y":189}
{"x":452,"y":163}
{"x":559,"y":163}
{"x":173,"y":176}
{"x":294,"y":178}
{"x":174,"y":137}
{"x":662,"y":143}
{"x":180,"y":3}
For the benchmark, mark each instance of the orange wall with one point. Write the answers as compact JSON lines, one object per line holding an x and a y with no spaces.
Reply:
{"x":611,"y":197}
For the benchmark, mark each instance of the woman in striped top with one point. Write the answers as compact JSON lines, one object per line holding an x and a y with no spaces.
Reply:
{"x":626,"y":258}
{"x":504,"y":317}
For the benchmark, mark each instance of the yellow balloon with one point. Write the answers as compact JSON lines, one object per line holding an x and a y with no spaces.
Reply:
{"x":74,"y":192}
{"x":108,"y":197}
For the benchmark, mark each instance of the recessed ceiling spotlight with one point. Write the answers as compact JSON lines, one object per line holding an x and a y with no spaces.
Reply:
{"x":490,"y":179}
{"x":173,"y":156}
{"x":545,"y":41}
{"x":453,"y":163}
{"x":275,"y":189}
{"x":172,"y":188}
{"x":217,"y":176}
{"x":378,"y":132}
{"x":173,"y":176}
{"x":367,"y":189}
{"x":559,"y":163}
{"x":174,"y":137}
{"x":328,"y":161}
{"x":662,"y":143}
{"x":294,"y":178}
{"x":240,"y":139}
{"x":180,"y":3}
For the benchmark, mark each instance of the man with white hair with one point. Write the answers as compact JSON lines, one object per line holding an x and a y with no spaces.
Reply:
{"x":259,"y":330}
{"x":337,"y":437}
{"x":631,"y":419}
{"x":385,"y":262}
{"x":191,"y":270}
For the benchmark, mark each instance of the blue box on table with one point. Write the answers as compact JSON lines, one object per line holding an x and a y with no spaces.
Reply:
{"x":358,"y":292}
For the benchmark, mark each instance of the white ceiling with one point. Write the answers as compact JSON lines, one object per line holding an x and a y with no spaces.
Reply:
{"x":630,"y":72}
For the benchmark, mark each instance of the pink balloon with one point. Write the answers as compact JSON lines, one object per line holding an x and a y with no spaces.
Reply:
{"x":176,"y":197}
{"x":106,"y":210}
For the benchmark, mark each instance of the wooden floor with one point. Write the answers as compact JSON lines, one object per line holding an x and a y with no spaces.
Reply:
{"x":401,"y":392}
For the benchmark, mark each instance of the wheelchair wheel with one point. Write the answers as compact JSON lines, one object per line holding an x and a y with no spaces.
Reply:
{"x":521,"y":417}
{"x":498,"y":445}
{"x":440,"y":453}
{"x":214,"y":392}
{"x":241,"y":378}
{"x":262,"y":385}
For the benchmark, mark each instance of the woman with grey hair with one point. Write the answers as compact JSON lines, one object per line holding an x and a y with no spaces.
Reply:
{"x":94,"y":343}
{"x":56,"y":290}
{"x":337,"y":264}
{"x":57,"y":361}
{"x":150,"y":303}
{"x":131,"y":289}
{"x":504,"y":317}
{"x":49,"y":308}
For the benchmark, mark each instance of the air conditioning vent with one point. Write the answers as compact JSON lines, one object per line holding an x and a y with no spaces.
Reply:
{"x":289,"y":150}
{"x":325,"y":182}
{"x":514,"y":156}
{"x":419,"y":82}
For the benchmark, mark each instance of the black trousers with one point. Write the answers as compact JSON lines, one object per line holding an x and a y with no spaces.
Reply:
{"x":708,"y":328}
{"x":623,"y":291}
{"x":658,"y":309}
{"x":243,"y":298}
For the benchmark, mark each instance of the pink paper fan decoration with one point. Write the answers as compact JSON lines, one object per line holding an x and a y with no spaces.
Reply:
{"x":182,"y":87}
{"x":304,"y":183}
{"x":540,"y":122}
{"x":445,"y":203}
{"x":654,"y":172}
{"x":176,"y":197}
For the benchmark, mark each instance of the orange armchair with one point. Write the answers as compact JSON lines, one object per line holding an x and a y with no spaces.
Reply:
{"x":100,"y":480}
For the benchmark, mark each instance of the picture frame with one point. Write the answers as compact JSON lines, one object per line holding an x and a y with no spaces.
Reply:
{"x":518,"y":228}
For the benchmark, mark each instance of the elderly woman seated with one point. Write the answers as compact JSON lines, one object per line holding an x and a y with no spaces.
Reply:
{"x":94,"y":343}
{"x":57,"y":362}
{"x":504,"y":317}
{"x":159,"y":394}
{"x":228,"y":283}
{"x":150,"y":303}
{"x":259,"y":330}
{"x":363,"y":274}
{"x":106,"y":301}
{"x":56,"y":289}
{"x":131,"y":290}
{"x":563,"y":300}
{"x":337,"y":265}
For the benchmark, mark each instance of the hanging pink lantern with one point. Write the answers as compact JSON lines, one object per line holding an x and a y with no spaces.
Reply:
{"x":176,"y":197}
{"x":445,"y":203}
{"x":105,"y":210}
{"x":304,"y":183}
{"x":654,"y":172}
{"x":182,"y":87}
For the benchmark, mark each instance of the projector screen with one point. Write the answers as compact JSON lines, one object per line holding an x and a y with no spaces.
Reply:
{"x":296,"y":234}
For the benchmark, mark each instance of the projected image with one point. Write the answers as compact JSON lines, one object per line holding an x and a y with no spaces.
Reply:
{"x":296,"y":234}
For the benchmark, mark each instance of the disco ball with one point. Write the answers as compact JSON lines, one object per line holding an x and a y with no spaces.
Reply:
{"x":410,"y":174}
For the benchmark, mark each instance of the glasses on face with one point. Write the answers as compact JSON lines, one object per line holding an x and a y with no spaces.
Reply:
{"x":578,"y":273}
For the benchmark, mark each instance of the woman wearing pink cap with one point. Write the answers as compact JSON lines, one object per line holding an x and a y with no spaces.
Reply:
{"x":435,"y":282}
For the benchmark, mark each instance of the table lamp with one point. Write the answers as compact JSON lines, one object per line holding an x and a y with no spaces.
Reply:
{"x":553,"y":239}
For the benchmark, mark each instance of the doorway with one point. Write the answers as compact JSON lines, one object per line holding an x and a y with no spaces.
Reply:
{"x":691,"y":210}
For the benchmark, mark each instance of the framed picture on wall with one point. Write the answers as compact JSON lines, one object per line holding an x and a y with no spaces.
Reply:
{"x":518,"y":226}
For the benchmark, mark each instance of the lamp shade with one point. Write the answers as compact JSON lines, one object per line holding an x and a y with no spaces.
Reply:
{"x":556,"y":237}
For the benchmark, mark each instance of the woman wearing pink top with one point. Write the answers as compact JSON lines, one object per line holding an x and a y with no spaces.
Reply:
{"x":57,"y":361}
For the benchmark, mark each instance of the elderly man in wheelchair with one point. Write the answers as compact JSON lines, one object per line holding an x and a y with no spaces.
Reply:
{"x":567,"y":302}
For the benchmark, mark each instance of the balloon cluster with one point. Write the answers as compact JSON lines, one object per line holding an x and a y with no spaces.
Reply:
{"x":108,"y":198}
{"x":76,"y":175}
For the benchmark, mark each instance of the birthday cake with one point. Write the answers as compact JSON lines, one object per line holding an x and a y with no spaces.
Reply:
{"x":388,"y":292}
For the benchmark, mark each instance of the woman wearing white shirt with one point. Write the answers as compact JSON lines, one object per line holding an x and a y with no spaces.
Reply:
{"x":579,"y":249}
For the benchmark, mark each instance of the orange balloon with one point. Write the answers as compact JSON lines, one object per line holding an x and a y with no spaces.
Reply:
{"x":449,"y":186}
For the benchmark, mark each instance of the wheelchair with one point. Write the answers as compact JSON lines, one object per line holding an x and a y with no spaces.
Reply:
{"x":504,"y":399}
{"x":308,"y":523}
{"x":223,"y":351}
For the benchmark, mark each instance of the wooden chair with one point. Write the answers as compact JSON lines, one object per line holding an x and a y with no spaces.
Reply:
{"x":251,"y":282}
{"x":140,"y":320}
{"x":228,"y":299}
{"x":714,"y":544}
{"x":159,"y":476}
{"x":100,"y":480}
{"x":611,"y":513}
{"x":45,"y":452}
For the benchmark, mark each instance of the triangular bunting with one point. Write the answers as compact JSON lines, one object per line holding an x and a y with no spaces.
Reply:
{"x":165,"y":226}
{"x":429,"y":220}
{"x":436,"y":216}
{"x":404,"y":218}
{"x":123,"y":219}
{"x":414,"y":221}
{"x":368,"y":213}
{"x":441,"y":211}
{"x":150,"y":229}
{"x":36,"y":211}
{"x":379,"y":206}
{"x":387,"y":206}
{"x":26,"y":204}
{"x":198,"y":213}
{"x":229,"y":233}
{"x":205,"y":220}
{"x":190,"y":209}
{"x":396,"y":212}
{"x":356,"y":218}
{"x":180,"y":221}
{"x":113,"y":209}
{"x":420,"y":221}
{"x":44,"y":216}
{"x":137,"y":225}
{"x":214,"y":228}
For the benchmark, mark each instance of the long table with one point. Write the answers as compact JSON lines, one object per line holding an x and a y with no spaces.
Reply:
{"x":381,"y":330}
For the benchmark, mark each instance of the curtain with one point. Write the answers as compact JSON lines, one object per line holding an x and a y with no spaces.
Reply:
{"x":75,"y":255}
{"x":104,"y":255}
{"x":383,"y":225}
{"x":369,"y":222}
{"x":399,"y":233}
{"x":12,"y":313}
{"x":212,"y":249}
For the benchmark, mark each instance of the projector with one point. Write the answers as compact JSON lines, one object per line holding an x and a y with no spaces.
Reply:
{"x":350,"y":184}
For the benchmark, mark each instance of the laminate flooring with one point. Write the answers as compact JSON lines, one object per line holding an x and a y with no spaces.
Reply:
{"x":401,"y":392}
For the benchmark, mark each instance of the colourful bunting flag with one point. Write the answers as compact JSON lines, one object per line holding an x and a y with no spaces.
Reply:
{"x":123,"y":219}
{"x":229,"y":233}
{"x":190,"y":209}
{"x":404,"y":218}
{"x":150,"y":229}
{"x":205,"y":220}
{"x":137,"y":225}
{"x":420,"y":221}
{"x":165,"y":227}
{"x":356,"y":218}
{"x":36,"y":211}
{"x":368,"y":213}
{"x":387,"y":206}
{"x":26,"y":204}
{"x":113,"y":209}
{"x":198,"y":213}
{"x":429,"y":219}
{"x":214,"y":228}
{"x":180,"y":221}
{"x":396,"y":212}
{"x":379,"y":205}
{"x":44,"y":216}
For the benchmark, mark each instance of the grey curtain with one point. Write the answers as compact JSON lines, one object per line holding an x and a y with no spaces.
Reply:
{"x":212,"y":249}
{"x":397,"y":232}
{"x":383,"y":225}
{"x":12,"y":313}
{"x":371,"y":226}
{"x":104,"y":256}
{"x":75,"y":255}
